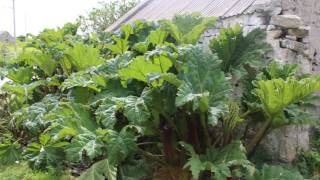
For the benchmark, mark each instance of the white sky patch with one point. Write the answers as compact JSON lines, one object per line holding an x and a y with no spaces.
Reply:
{"x":33,"y":16}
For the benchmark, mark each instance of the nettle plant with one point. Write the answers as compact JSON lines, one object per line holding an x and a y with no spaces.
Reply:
{"x":148,"y":102}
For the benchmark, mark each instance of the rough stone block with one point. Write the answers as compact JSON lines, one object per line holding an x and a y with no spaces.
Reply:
{"x":275,"y":11}
{"x":310,"y":52}
{"x":286,"y":21}
{"x":286,"y":55}
{"x":263,"y":27}
{"x":283,"y":144}
{"x":255,"y":20}
{"x":271,"y":27}
{"x":304,"y":64}
{"x":293,"y":45}
{"x":299,"y":33}
{"x":293,"y":38}
{"x":306,"y":40}
{"x":275,"y":34}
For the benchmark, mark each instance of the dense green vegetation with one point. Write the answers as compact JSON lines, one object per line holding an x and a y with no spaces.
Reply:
{"x":308,"y":162}
{"x":22,"y":171}
{"x":148,"y":102}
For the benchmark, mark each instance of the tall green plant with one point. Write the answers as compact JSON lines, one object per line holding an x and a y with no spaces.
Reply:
{"x":146,"y":102}
{"x":236,"y":50}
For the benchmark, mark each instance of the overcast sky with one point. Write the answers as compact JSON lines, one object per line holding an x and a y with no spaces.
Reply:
{"x":35,"y":15}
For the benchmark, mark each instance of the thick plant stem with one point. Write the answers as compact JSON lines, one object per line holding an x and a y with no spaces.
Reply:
{"x":205,"y":129}
{"x":258,"y":137}
{"x":244,"y":115}
{"x":193,"y":135}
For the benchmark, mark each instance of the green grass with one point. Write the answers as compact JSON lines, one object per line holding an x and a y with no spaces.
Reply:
{"x":23,"y":172}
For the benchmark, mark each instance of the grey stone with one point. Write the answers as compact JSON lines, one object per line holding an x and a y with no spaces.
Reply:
{"x":309,"y":52}
{"x":293,"y":45}
{"x":283,"y":144}
{"x":286,"y":55}
{"x":300,"y":33}
{"x":293,"y":38}
{"x":275,"y":11}
{"x":286,"y":21}
{"x":304,"y":64}
{"x":275,"y":34}
{"x":255,"y":20}
{"x":263,"y":27}
{"x":271,"y":27}
{"x":306,"y":40}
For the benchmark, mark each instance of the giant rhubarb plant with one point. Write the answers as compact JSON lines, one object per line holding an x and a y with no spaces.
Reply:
{"x":146,"y":102}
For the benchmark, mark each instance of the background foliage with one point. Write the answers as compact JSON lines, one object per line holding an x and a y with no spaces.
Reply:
{"x":100,"y":18}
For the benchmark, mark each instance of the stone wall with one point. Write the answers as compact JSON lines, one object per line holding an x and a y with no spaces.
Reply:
{"x":309,"y":11}
{"x":292,"y":28}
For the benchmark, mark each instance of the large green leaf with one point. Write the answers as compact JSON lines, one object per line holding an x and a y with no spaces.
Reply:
{"x":160,"y":101}
{"x":45,"y":62}
{"x":220,"y":161}
{"x":100,"y":171}
{"x":127,"y":30}
{"x":187,"y":29}
{"x":112,"y":66}
{"x":45,"y":153}
{"x":133,"y":108}
{"x":85,"y":144}
{"x":31,"y":118}
{"x":22,"y":75}
{"x":120,"y":145}
{"x":84,"y":79}
{"x":120,"y":46}
{"x":157,"y":37}
{"x":113,"y":89}
{"x":231,"y":152}
{"x":140,"y":68}
{"x":186,"y":22}
{"x":194,"y":162}
{"x":10,"y":152}
{"x":193,"y":36}
{"x":235,"y":49}
{"x":278,"y":94}
{"x":106,"y":113}
{"x":204,"y":84}
{"x":23,"y":93}
{"x":195,"y":165}
{"x":276,"y":70}
{"x":172,"y":29}
{"x":75,"y":118}
{"x":83,"y":57}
